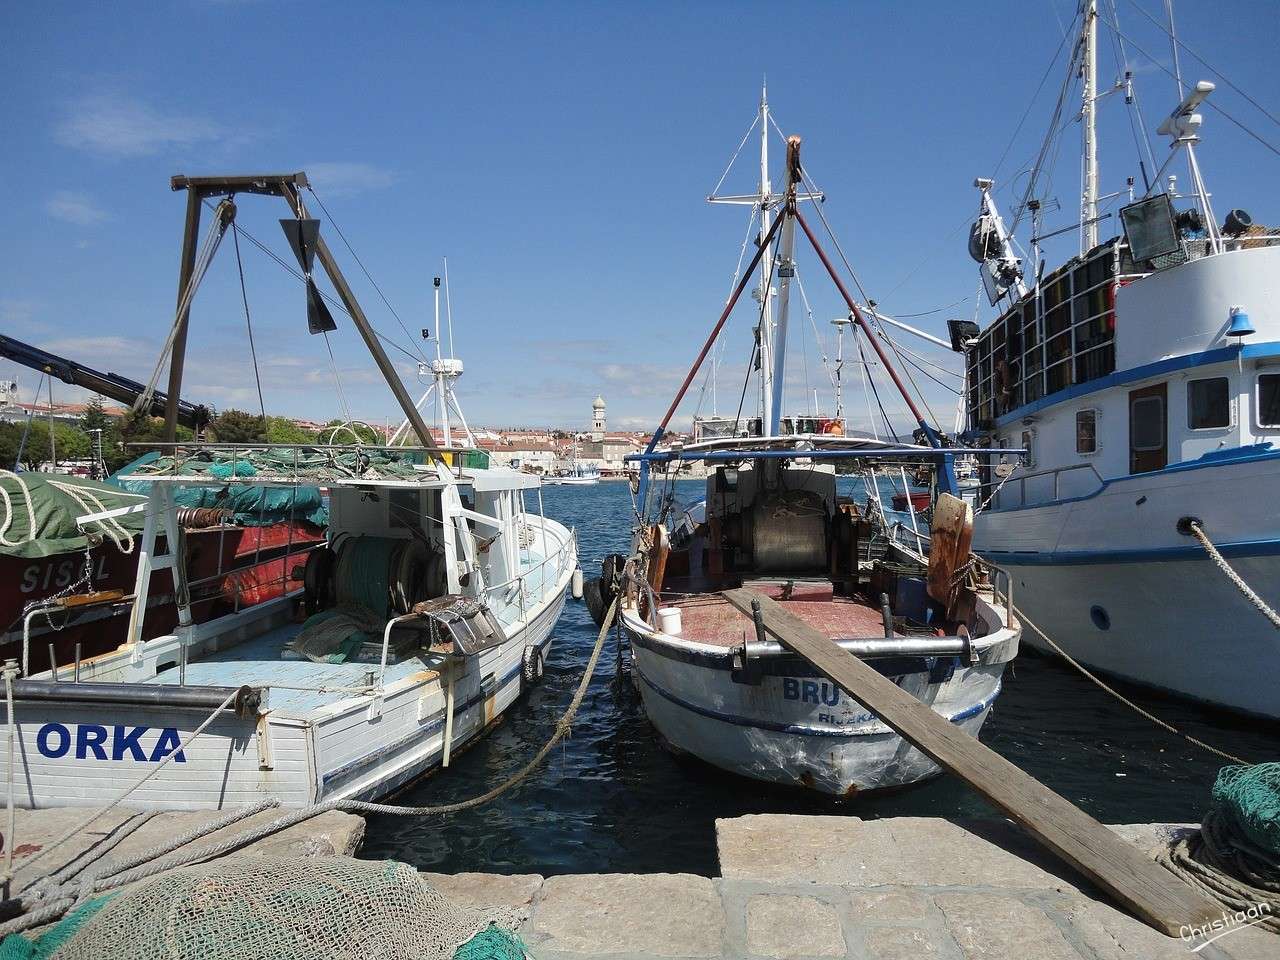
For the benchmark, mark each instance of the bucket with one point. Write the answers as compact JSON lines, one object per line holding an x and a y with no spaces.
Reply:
{"x":669,"y":621}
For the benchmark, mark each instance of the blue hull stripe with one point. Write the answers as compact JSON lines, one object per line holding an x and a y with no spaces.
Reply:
{"x":798,"y":729}
{"x":1033,"y":558}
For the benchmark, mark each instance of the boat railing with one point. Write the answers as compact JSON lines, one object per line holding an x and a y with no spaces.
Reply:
{"x":561,"y":555}
{"x":1054,"y":483}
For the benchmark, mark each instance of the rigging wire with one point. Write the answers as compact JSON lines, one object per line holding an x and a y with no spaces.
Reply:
{"x":1122,"y":58}
{"x":871,"y":380}
{"x":244,"y":298}
{"x":1208,"y":103}
{"x":369,"y":277}
{"x":331,"y":300}
{"x":1066,"y":34}
{"x":734,"y":158}
{"x":845,"y":260}
{"x":1205,"y":63}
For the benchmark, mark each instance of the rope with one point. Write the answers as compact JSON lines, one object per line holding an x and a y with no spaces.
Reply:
{"x":204,"y":257}
{"x":248,"y":322}
{"x":1122,"y":698}
{"x":84,"y":824}
{"x":1221,"y":563}
{"x":9,"y":511}
{"x":147,"y":864}
{"x":1226,"y":867}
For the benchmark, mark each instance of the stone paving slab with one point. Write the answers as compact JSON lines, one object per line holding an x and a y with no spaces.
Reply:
{"x":332,"y":833}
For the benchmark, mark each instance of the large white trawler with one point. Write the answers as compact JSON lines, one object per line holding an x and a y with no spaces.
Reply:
{"x":425,"y":614}
{"x":1143,"y":378}
{"x":773,"y":525}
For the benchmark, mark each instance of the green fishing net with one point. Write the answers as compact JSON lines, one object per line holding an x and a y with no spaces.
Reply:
{"x":250,"y":907}
{"x":17,"y":947}
{"x":1250,"y":796}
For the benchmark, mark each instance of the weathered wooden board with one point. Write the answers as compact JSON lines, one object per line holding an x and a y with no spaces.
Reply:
{"x":1152,"y":893}
{"x":950,"y":535}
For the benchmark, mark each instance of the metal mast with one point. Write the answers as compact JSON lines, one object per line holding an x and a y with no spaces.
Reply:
{"x":1088,"y":116}
{"x":766,"y":270}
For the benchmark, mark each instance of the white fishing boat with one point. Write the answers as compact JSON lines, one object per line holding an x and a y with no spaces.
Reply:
{"x":1143,"y":378}
{"x":773,"y":522}
{"x":427,"y":612}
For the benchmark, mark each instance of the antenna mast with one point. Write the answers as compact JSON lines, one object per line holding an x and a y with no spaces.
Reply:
{"x":1088,"y":115}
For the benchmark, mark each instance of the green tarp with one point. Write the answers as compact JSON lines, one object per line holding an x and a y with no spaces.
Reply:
{"x":252,"y":506}
{"x":38,"y":513}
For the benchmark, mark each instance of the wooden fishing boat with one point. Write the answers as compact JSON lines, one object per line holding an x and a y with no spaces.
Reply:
{"x":775,"y":522}
{"x":426,"y":611}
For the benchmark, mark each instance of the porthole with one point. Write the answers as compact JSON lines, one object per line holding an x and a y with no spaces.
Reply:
{"x":1101,"y":619}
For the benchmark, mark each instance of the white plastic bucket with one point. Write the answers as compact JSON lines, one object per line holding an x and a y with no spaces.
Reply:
{"x":669,"y":621}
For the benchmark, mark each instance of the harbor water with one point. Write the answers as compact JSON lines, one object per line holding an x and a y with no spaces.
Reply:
{"x":611,"y":798}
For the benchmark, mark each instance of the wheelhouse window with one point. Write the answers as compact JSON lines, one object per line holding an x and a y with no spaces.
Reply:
{"x":1269,"y":400}
{"x":1146,"y":424}
{"x":1208,"y":403}
{"x":1086,"y":431}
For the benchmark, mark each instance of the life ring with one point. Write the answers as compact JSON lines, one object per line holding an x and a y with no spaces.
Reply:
{"x":533,"y":664}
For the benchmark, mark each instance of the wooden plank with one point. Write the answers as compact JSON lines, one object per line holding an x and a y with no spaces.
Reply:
{"x":1149,"y":891}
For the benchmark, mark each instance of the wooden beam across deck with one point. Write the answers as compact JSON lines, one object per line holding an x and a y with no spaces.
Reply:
{"x":1147,"y":889}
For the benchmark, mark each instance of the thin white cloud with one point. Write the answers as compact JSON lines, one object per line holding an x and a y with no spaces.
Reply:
{"x":114,"y":124}
{"x":74,"y":207}
{"x":345,"y":178}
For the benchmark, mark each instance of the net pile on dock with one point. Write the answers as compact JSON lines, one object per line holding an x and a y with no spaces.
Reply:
{"x":323,"y":908}
{"x":1235,"y":857}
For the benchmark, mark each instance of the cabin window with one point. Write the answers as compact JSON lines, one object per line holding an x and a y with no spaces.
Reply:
{"x":1086,"y":431}
{"x":403,"y":508}
{"x":1146,"y":423}
{"x":1029,"y":445}
{"x":1269,"y":400}
{"x":1208,"y":403}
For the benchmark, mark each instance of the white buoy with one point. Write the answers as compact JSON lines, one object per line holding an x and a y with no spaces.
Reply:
{"x":577,"y":583}
{"x":669,"y":621}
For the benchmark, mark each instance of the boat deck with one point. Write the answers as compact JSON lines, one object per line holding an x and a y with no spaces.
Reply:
{"x":257,"y":663}
{"x":713,"y":620}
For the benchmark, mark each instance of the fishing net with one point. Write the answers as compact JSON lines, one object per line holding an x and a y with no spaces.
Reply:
{"x":324,"y":908}
{"x":1250,"y":797}
{"x":334,"y":636}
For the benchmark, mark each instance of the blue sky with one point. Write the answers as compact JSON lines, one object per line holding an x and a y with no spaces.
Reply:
{"x":559,"y":156}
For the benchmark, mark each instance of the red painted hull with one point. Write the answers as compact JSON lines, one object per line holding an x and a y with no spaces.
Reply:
{"x":250,"y":561}
{"x":919,"y":500}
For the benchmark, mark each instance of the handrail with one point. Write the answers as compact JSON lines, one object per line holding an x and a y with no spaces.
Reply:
{"x":561,"y":549}
{"x":1056,"y":473}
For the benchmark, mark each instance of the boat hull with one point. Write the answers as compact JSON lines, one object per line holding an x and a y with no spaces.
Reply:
{"x":795,"y":727}
{"x":1111,"y":580}
{"x":362,"y":748}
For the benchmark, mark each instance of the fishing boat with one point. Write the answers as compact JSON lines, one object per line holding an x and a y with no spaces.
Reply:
{"x":775,"y":523}
{"x":428,"y":610}
{"x":579,"y":474}
{"x":1142,"y":375}
{"x":65,"y":590}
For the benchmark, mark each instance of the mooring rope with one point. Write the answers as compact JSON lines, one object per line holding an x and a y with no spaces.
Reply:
{"x":1220,"y":862}
{"x":1121,"y":697}
{"x":1221,"y":563}
{"x":63,"y":898}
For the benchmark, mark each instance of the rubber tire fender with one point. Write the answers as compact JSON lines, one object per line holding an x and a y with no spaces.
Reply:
{"x":533,"y":664}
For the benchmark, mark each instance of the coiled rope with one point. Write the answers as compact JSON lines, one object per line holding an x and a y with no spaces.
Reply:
{"x":62,"y":898}
{"x":1228,"y":868}
{"x":1221,"y":563}
{"x":1121,"y":697}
